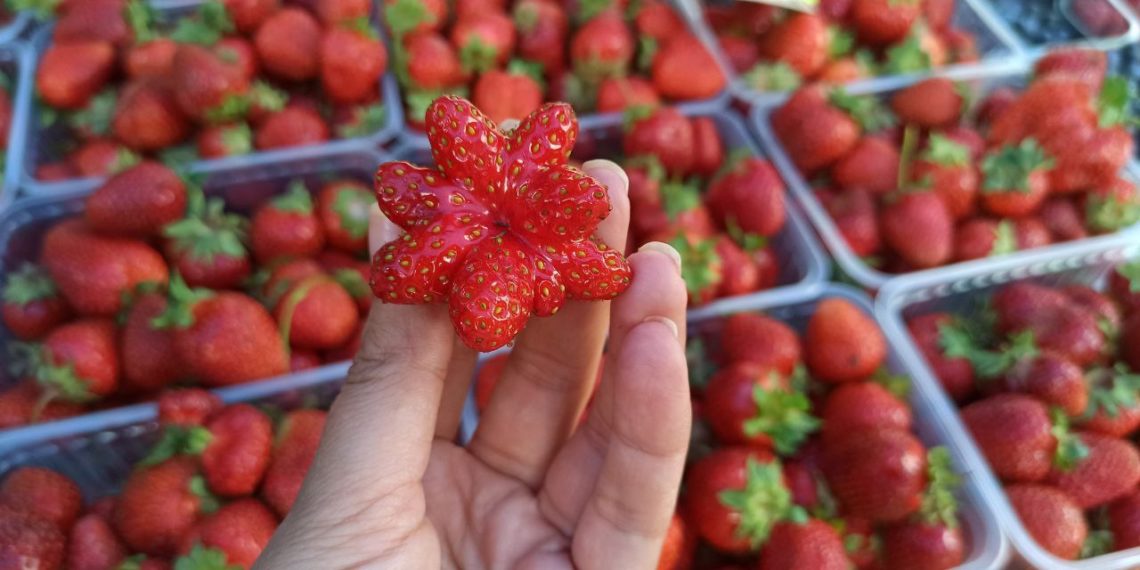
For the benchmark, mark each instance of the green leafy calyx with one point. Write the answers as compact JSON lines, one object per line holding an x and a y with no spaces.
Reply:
{"x":762,"y":503}
{"x":784,"y":416}
{"x":27,"y":284}
{"x":1011,"y":166}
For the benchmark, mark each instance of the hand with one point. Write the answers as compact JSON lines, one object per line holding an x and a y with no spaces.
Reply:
{"x":390,"y":489}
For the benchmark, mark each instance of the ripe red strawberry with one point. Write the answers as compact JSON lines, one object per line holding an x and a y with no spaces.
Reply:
{"x":1072,"y":64}
{"x":661,"y":132}
{"x":343,"y":209}
{"x":683,"y":69}
{"x":352,"y":274}
{"x":138,"y":201}
{"x":147,"y":117}
{"x":1124,"y":284}
{"x":42,"y":493}
{"x":877,"y":474}
{"x":352,"y":62}
{"x":748,"y":195}
{"x":506,"y":95}
{"x":207,"y":246}
{"x":542,"y":31}
{"x":863,"y":406}
{"x":484,"y":40}
{"x":811,"y":544}
{"x":99,"y":158}
{"x":919,"y":545}
{"x":317,"y":313}
{"x":873,"y":165}
{"x":24,"y":403}
{"x":78,"y":362}
{"x":204,"y":81}
{"x":94,"y":20}
{"x":432,"y":62}
{"x":150,"y":361}
{"x":333,"y":12}
{"x":239,"y":530}
{"x":248,"y":15}
{"x":284,"y":276}
{"x":1050,"y":517}
{"x":739,"y":273}
{"x":708,"y":149}
{"x":918,"y":227}
{"x":1015,"y":179}
{"x":92,"y":545}
{"x":159,"y":504}
{"x":218,"y":141}
{"x":1115,"y":412}
{"x":748,"y":404}
{"x":735,"y":497}
{"x":241,"y":438}
{"x":762,"y":340}
{"x":287,"y":227}
{"x":814,"y":133}
{"x":882,"y":22}
{"x":297,"y":438}
{"x":242,"y":53}
{"x":32,"y":305}
{"x":29,"y":542}
{"x":931,"y":104}
{"x":1014,"y":433}
{"x":855,"y":215}
{"x":1124,"y":521}
{"x":946,"y":167}
{"x":1021,"y":304}
{"x":742,"y":53}
{"x":288,"y":45}
{"x":602,"y":47}
{"x":842,"y":344}
{"x":70,"y":74}
{"x":657,"y":20}
{"x":1051,"y":378}
{"x":149,"y":60}
{"x":956,"y":374}
{"x":621,"y":93}
{"x":295,"y":125}
{"x":187,"y":407}
{"x":1098,"y":304}
{"x":802,"y":41}
{"x":680,"y":545}
{"x":1109,"y":471}
{"x":702,"y":267}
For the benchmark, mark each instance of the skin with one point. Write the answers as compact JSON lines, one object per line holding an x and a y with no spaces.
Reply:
{"x":389,"y":488}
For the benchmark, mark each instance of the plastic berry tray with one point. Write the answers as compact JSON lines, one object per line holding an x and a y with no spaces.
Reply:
{"x":1039,"y":25}
{"x":16,"y":65}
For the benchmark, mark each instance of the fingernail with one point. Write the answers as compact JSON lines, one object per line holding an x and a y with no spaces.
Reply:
{"x":509,"y":125}
{"x":672,"y":326}
{"x":663,"y":248}
{"x":600,"y":167}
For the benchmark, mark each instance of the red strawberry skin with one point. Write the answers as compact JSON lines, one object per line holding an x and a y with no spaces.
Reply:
{"x":684,"y":70}
{"x":237,"y":456}
{"x":603,"y":47}
{"x":90,"y":348}
{"x":882,"y":22}
{"x":918,"y":227}
{"x":1050,"y":517}
{"x":286,"y":231}
{"x":931,"y":104}
{"x":187,"y":407}
{"x":320,"y":313}
{"x":156,"y":508}
{"x":918,"y":545}
{"x":43,"y":493}
{"x":842,"y":344}
{"x":297,"y":439}
{"x":138,"y":201}
{"x":288,"y":45}
{"x":503,"y":95}
{"x":729,"y":395}
{"x":1014,"y":433}
{"x":30,"y":303}
{"x":351,"y":65}
{"x":343,"y":208}
{"x":1053,"y":379}
{"x":813,"y":544}
{"x":70,"y":74}
{"x":877,"y":474}
{"x":665,"y":134}
{"x":955,"y":374}
{"x":814,"y":133}
{"x":30,"y":542}
{"x":295,"y":125}
{"x":92,"y":545}
{"x":762,"y":340}
{"x":1124,"y":521}
{"x":1110,"y":471}
{"x":873,"y":165}
{"x":202,"y":79}
{"x":861,"y":406}
{"x":240,"y":529}
{"x":233,"y":340}
{"x":147,"y":117}
{"x":750,"y":195}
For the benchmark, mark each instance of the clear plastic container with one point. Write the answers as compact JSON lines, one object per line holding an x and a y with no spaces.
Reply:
{"x":982,"y":81}
{"x":243,"y":187}
{"x":986,"y":547}
{"x":16,"y":64}
{"x":38,"y":139}
{"x":21,"y":21}
{"x":1039,"y":25}
{"x":803,"y":265}
{"x":957,"y":290}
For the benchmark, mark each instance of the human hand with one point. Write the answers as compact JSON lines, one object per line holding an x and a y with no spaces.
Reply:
{"x":533,"y":489}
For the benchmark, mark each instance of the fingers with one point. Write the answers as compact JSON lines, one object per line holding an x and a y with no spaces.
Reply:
{"x":551,"y":372}
{"x":460,"y":370}
{"x":657,"y":292}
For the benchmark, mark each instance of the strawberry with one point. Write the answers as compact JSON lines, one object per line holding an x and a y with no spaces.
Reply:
{"x":931,"y":104}
{"x":94,"y":20}
{"x":484,"y":40}
{"x":29,"y":542}
{"x":205,"y":82}
{"x":218,"y":141}
{"x":946,"y":167}
{"x":150,"y":60}
{"x":542,"y":32}
{"x":1017,"y":437}
{"x":748,"y":404}
{"x":138,"y":201}
{"x":24,"y":403}
{"x":187,"y":407}
{"x":955,"y":373}
{"x":735,"y":497}
{"x":1098,"y":304}
{"x":842,"y":344}
{"x":239,"y":530}
{"x":882,"y":22}
{"x":708,"y":149}
{"x":938,"y":14}
{"x":845,"y":70}
{"x":1124,"y":521}
{"x":298,"y":435}
{"x":1109,"y":471}
{"x":147,"y":117}
{"x":814,"y":133}
{"x":1021,"y":304}
{"x":810,"y":544}
{"x":739,"y":274}
{"x":241,"y":438}
{"x":343,"y":209}
{"x":160,"y":504}
{"x":621,"y":93}
{"x":657,"y":20}
{"x":1113,"y":207}
{"x":1050,"y":517}
{"x":742,"y":53}
{"x":983,"y":237}
{"x":284,"y":276}
{"x":748,"y":337}
{"x":334,"y":12}
{"x":150,"y":361}
{"x":243,"y":54}
{"x":352,"y":274}
{"x":70,"y":74}
{"x":431,"y":61}
{"x":873,"y":165}
{"x":207,"y":246}
{"x":918,"y":227}
{"x":854,"y":214}
{"x":42,"y":493}
{"x":602,"y":47}
{"x":1073,"y":64}
{"x":661,"y":132}
{"x":1103,"y":154}
{"x":680,"y":545}
{"x":802,"y":41}
{"x":1015,"y":179}
{"x":77,"y":362}
{"x":878,"y":474}
{"x":863,"y":406}
{"x":288,"y":45}
{"x":32,"y":305}
{"x":683,"y":69}
{"x":92,"y":545}
{"x":534,"y":154}
{"x":1051,"y":378}
{"x":286,"y":226}
{"x":295,"y":125}
{"x":54,"y":172}
{"x":317,"y":313}
{"x":932,"y":539}
{"x":248,"y":15}
{"x":506,"y":95}
{"x":352,"y":61}
{"x":749,"y":195}
{"x":100,"y":158}
{"x":702,"y":268}
{"x":965,"y":136}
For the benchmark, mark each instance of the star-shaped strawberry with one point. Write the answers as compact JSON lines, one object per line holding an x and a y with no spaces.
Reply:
{"x":501,"y":230}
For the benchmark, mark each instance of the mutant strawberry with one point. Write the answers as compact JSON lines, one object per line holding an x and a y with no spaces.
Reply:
{"x":70,"y":74}
{"x":159,"y":505}
{"x":298,"y":436}
{"x":241,"y":438}
{"x":92,"y":545}
{"x":138,"y":201}
{"x":492,"y":263}
{"x":43,"y":493}
{"x":150,"y":361}
{"x":662,"y":132}
{"x":352,"y":61}
{"x":239,"y":531}
{"x":147,"y":117}
{"x":1050,"y":517}
{"x":946,"y":167}
{"x":77,"y":362}
{"x":27,"y":541}
{"x":1015,"y":179}
{"x":343,"y":207}
{"x":748,"y":194}
{"x":873,"y":165}
{"x":223,"y":338}
{"x":287,"y":226}
{"x":207,"y":247}
{"x":1018,"y":437}
{"x":931,"y":540}
{"x":877,"y":474}
{"x":842,"y":344}
{"x":507,"y":94}
{"x":93,"y":271}
{"x":288,"y":45}
{"x":919,"y":228}
{"x":317,"y":313}
{"x":1109,"y":471}
{"x":804,"y":544}
{"x":187,"y":407}
{"x":882,"y":22}
{"x":814,"y":133}
{"x":863,"y":406}
{"x":748,"y":404}
{"x":762,"y":340}
{"x":32,"y":304}
{"x":602,"y":47}
{"x":684,"y":70}
{"x":931,"y":104}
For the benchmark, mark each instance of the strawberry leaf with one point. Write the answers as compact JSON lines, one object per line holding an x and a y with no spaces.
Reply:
{"x":403,"y":16}
{"x":362,"y":26}
{"x":678,"y":197}
{"x":636,"y":113}
{"x":783,"y":416}
{"x":181,"y":299}
{"x":646,"y":51}
{"x":587,"y":9}
{"x":124,"y":158}
{"x":1114,"y":104}
{"x":296,"y":199}
{"x":207,"y":502}
{"x":1131,"y":272}
{"x":700,"y":264}
{"x":208,"y":233}
{"x":40,"y":9}
{"x":61,"y":380}
{"x":525,"y":16}
{"x":352,"y":281}
{"x":650,"y":164}
{"x":28,"y":283}
{"x":367,"y":119}
{"x":1097,"y":542}
{"x":841,"y":44}
{"x":1110,"y":390}
{"x":206,"y":27}
{"x":531,"y":69}
{"x":1071,"y":451}
{"x":1005,"y":239}
{"x":477,"y":56}
{"x":203,"y":558}
{"x":267,"y":97}
{"x":907,"y":56}
{"x":944,"y":151}
{"x":939,"y":506}
{"x":1107,"y":214}
{"x":748,"y":242}
{"x":762,"y":503}
{"x":958,"y":342}
{"x":776,"y":76}
{"x":96,"y":116}
{"x":871,"y":114}
{"x":237,"y":139}
{"x":139,"y":15}
{"x":1009,"y":168}
{"x":897,"y":384}
{"x":178,"y":440}
{"x":352,"y":206}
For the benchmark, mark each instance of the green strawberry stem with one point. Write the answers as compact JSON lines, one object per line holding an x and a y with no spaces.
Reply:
{"x":1107,"y":213}
{"x":866,"y":110}
{"x":178,"y":440}
{"x":958,"y":342}
{"x":201,"y":558}
{"x":939,"y":506}
{"x":897,"y":384}
{"x":906,"y":156}
{"x":296,"y":199}
{"x":784,"y":416}
{"x":140,"y":17}
{"x":27,"y":284}
{"x":208,"y":25}
{"x":180,"y":304}
{"x":1071,"y":451}
{"x":908,"y":56}
{"x":1110,"y":390}
{"x":1011,"y":166}
{"x":207,"y":502}
{"x":1131,"y":272}
{"x":352,"y":282}
{"x":1114,"y":103}
{"x":294,"y":298}
{"x":762,"y":503}
{"x":774,"y":76}
{"x":944,"y":151}
{"x":1005,"y":238}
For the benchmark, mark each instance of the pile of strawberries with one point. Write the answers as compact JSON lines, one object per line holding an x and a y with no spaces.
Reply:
{"x":209,"y":495}
{"x":116,"y":85}
{"x":720,"y":212}
{"x":1045,"y":377}
{"x":599,"y":55}
{"x":157,"y":285}
{"x":957,"y":181}
{"x":845,"y":40}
